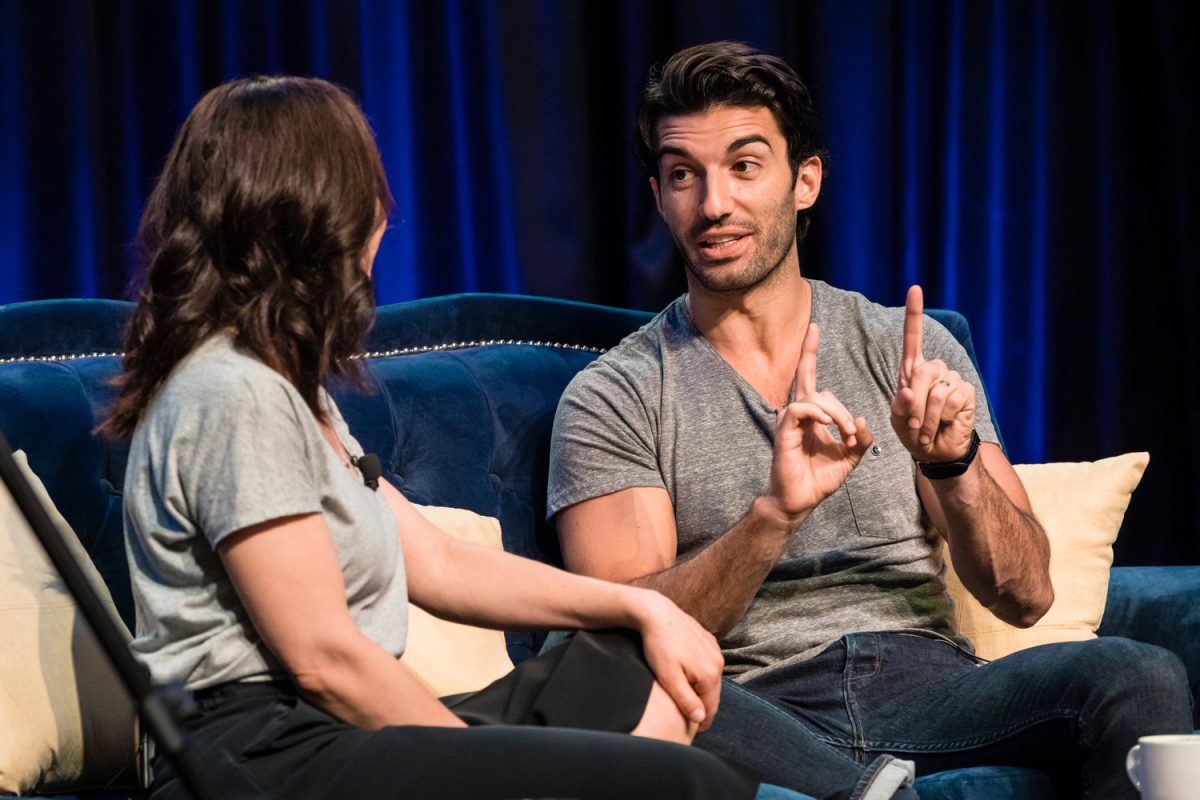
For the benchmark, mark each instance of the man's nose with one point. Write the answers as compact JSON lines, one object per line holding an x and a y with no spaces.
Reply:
{"x":717,"y":200}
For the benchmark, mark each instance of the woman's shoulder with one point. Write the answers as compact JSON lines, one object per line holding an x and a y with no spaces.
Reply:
{"x":220,"y":377}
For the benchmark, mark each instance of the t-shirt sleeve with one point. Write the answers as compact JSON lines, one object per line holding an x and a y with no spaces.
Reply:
{"x":604,"y":439}
{"x":242,"y":455}
{"x":939,"y":343}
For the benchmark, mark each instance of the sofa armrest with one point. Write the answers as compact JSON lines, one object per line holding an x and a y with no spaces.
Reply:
{"x":1161,"y":606}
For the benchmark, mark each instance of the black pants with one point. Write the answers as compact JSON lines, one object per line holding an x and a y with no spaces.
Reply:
{"x":264,"y":741}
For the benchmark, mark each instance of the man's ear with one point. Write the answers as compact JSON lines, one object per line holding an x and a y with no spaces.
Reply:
{"x":657,"y":197}
{"x":808,"y":183}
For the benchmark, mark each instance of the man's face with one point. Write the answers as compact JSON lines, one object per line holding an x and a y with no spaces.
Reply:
{"x":727,"y":193}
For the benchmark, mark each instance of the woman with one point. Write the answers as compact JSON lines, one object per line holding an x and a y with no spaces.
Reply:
{"x":273,"y":583}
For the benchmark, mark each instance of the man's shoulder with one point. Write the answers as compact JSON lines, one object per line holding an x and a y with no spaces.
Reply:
{"x":637,"y":360}
{"x":843,"y":306}
{"x":854,"y":326}
{"x":846,"y":312}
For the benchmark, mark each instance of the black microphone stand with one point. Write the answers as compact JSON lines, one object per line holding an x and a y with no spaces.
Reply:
{"x":160,"y":708}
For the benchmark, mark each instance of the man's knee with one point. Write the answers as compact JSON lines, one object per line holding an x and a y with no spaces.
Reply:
{"x":1148,"y":681}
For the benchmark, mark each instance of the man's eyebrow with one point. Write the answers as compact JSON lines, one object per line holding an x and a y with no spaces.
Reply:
{"x":738,"y":144}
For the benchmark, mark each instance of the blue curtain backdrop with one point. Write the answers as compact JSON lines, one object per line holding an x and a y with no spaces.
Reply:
{"x":1034,"y":165}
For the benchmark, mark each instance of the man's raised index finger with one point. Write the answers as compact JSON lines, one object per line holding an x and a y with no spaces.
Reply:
{"x":806,"y":368}
{"x":914,"y":324}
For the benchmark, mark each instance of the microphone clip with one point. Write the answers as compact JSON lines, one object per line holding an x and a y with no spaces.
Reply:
{"x":369,"y":467}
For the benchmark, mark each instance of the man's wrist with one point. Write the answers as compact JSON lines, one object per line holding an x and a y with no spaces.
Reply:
{"x":941,"y":470}
{"x":767,"y":510}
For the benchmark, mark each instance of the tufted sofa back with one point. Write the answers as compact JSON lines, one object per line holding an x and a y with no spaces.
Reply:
{"x":462,"y":400}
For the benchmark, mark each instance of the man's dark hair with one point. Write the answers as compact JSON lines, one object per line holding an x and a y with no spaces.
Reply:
{"x":728,"y":74}
{"x":259,"y":225}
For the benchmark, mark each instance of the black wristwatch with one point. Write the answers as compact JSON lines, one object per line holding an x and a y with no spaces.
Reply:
{"x":938,"y":470}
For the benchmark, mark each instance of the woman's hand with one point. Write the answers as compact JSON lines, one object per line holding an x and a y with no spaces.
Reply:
{"x":477,"y":585}
{"x":685,"y":658}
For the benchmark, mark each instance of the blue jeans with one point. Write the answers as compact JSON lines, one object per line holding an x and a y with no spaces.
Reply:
{"x":1070,"y":710}
{"x":757,"y":733}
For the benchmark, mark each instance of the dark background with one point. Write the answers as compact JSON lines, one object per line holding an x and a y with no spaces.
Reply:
{"x":1033,"y":165}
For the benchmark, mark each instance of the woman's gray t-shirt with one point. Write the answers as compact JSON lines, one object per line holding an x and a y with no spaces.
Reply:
{"x":227,"y":443}
{"x":664,"y":409}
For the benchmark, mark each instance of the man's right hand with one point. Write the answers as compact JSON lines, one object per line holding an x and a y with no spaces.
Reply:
{"x":809,"y":463}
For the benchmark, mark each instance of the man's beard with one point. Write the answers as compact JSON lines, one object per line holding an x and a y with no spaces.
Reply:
{"x":772,"y":247}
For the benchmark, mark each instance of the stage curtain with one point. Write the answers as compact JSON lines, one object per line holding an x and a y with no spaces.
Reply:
{"x":1033,"y":164}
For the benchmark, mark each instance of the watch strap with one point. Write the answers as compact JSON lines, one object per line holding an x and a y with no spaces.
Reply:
{"x":940,"y":470}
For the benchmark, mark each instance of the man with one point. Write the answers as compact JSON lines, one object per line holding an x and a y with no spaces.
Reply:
{"x":774,"y":454}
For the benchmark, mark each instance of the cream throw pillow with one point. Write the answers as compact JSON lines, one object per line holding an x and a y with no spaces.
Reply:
{"x":66,"y":721}
{"x":1081,"y":507}
{"x":449,"y":658}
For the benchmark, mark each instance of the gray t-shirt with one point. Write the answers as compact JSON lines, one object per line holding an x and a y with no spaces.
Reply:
{"x":228,"y":443}
{"x":664,"y":409}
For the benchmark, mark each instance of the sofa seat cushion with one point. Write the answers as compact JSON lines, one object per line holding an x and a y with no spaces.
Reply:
{"x":1158,"y":605}
{"x":985,"y":783}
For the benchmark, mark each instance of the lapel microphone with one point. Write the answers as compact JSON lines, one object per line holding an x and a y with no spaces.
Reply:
{"x":368,"y":465}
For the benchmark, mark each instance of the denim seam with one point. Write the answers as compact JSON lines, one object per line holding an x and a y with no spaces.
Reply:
{"x":869,"y":775}
{"x":977,"y":741}
{"x":859,"y":743}
{"x":876,"y":668}
{"x":755,"y":698}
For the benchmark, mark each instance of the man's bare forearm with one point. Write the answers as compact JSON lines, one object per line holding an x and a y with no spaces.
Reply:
{"x":717,"y":584}
{"x":1000,"y":552}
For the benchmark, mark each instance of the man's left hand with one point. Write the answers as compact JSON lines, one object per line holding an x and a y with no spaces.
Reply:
{"x":933,"y":413}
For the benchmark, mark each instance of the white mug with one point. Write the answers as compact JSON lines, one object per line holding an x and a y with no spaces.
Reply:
{"x":1166,"y":767}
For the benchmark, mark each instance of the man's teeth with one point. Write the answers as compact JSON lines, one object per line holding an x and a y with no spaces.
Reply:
{"x":720,"y":242}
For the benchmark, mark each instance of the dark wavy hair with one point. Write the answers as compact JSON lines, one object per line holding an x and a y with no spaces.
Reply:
{"x":259,"y":225}
{"x":729,"y":74}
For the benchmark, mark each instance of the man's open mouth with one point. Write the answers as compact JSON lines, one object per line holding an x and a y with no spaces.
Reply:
{"x":720,"y":244}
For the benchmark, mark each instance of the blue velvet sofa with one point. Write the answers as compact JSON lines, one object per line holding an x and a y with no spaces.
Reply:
{"x":464,"y":390}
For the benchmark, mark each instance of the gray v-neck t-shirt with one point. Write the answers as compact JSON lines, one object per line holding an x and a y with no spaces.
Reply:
{"x":664,"y":409}
{"x":227,"y":443}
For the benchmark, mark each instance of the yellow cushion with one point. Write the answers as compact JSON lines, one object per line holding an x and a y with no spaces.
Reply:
{"x":66,"y":721}
{"x":449,"y":658}
{"x":1081,"y":506}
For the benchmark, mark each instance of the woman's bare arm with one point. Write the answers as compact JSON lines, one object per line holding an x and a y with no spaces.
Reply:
{"x":287,"y":575}
{"x":490,"y":588}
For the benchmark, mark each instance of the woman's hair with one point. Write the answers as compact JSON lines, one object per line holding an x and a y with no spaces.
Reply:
{"x":258,"y":225}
